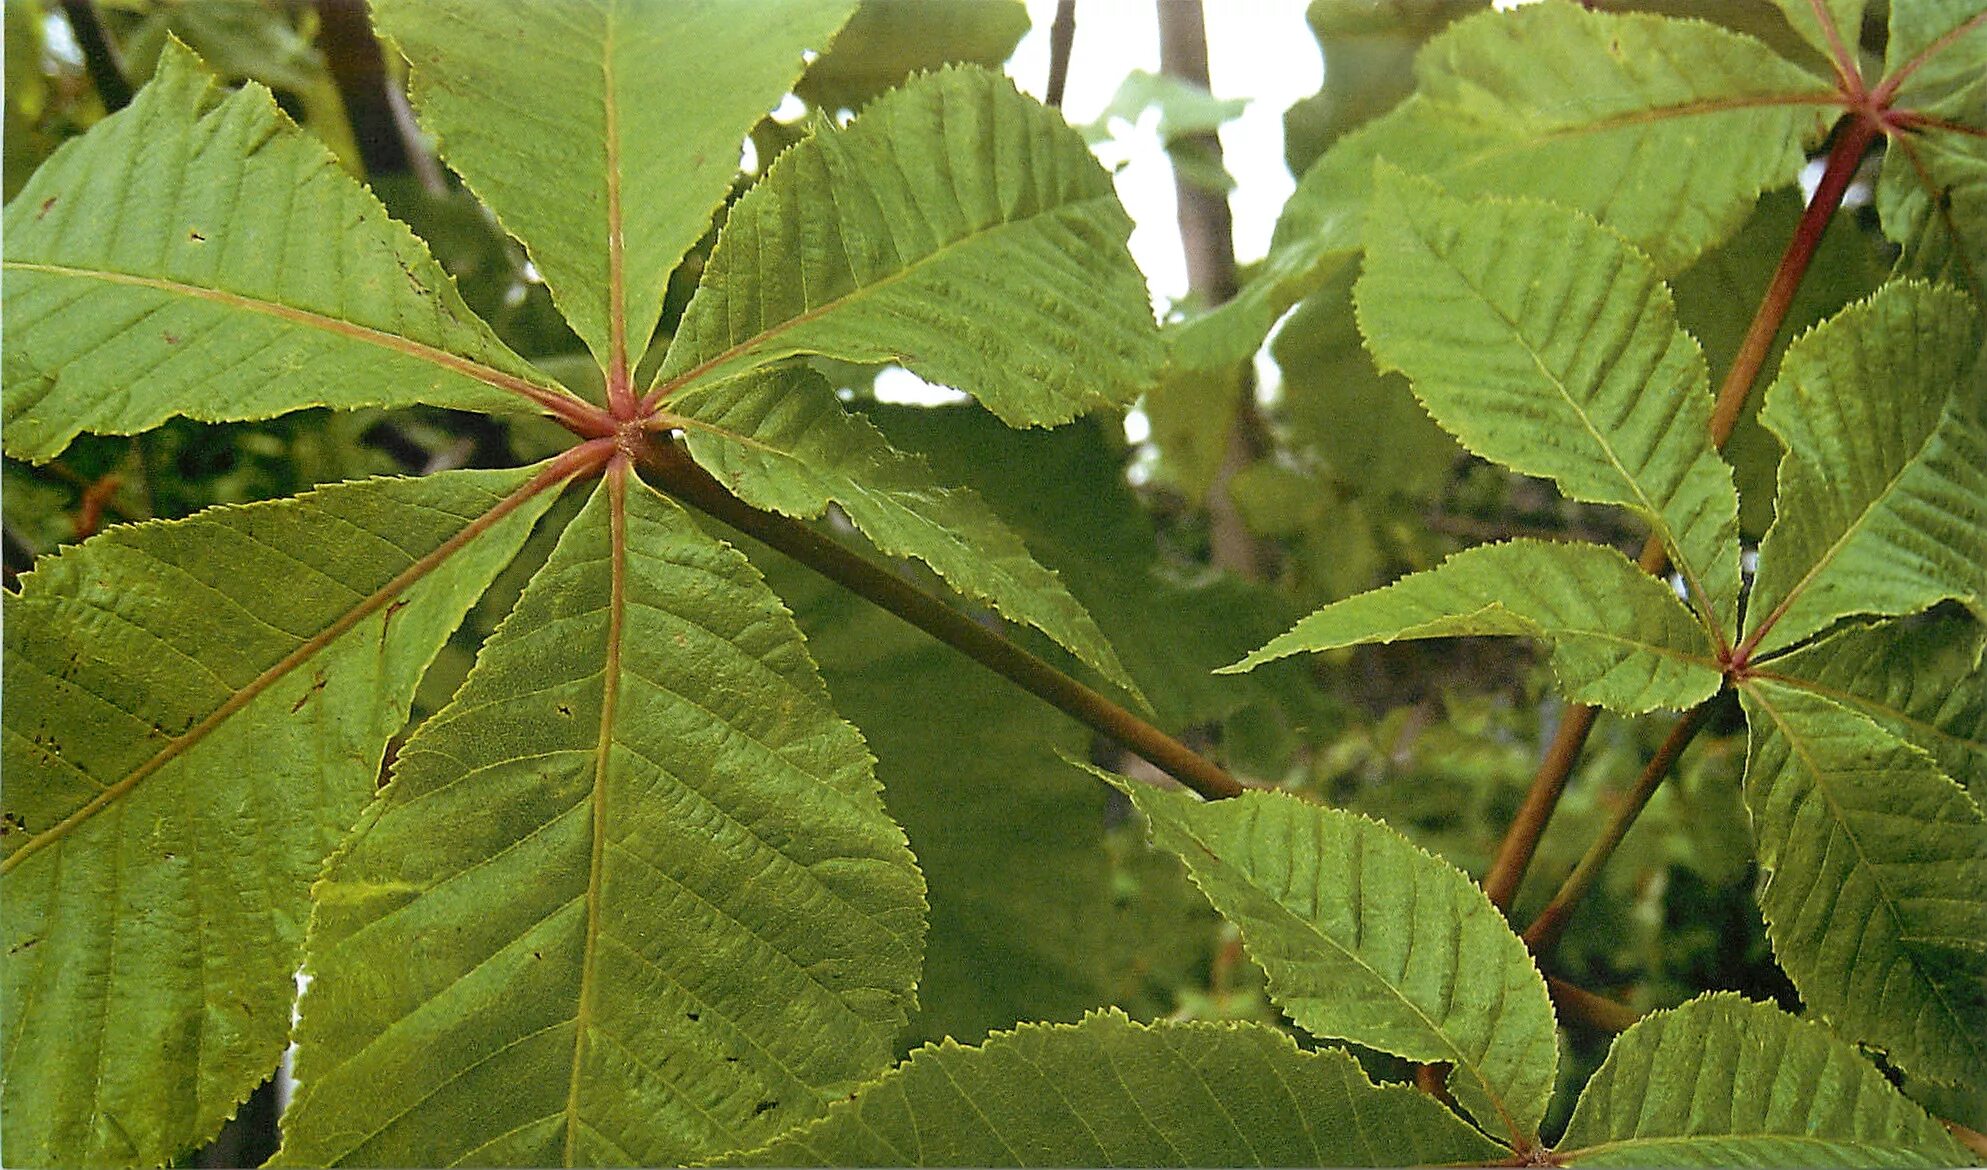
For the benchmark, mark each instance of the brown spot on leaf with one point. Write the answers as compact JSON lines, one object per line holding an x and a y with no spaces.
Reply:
{"x":194,"y":235}
{"x":314,"y":688}
{"x":45,"y":205}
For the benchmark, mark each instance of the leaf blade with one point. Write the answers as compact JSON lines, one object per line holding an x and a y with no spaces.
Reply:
{"x":956,"y":227}
{"x":1340,"y":912}
{"x":1722,"y":1081}
{"x":1109,"y":1092}
{"x":612,"y":883}
{"x":103,"y":325}
{"x":197,"y":701}
{"x":1620,"y":637}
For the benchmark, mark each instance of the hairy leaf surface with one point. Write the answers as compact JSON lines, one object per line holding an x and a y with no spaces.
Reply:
{"x":1877,"y":896}
{"x":1882,"y":503}
{"x":956,"y":227}
{"x":196,"y":254}
{"x":1620,"y":638}
{"x":1109,"y":1092}
{"x":782,"y":442}
{"x":1919,"y":679}
{"x":196,"y":713}
{"x":1548,"y":344}
{"x":631,"y":898}
{"x":603,"y":135}
{"x":1722,"y":1081}
{"x":1367,"y":938}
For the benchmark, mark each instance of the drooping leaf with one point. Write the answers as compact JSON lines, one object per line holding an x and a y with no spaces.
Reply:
{"x":631,"y":898}
{"x":196,"y":711}
{"x":1919,"y":679}
{"x":1548,"y":344}
{"x":781,"y":441}
{"x":1883,"y":489}
{"x":1367,"y":938}
{"x":1620,"y":638}
{"x":1109,"y":1092}
{"x":956,"y":227}
{"x":602,"y":134}
{"x":1877,"y":896}
{"x":1722,"y":1081}
{"x":197,"y":255}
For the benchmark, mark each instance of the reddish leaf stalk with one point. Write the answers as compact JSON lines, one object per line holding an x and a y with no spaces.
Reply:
{"x":676,"y":473}
{"x":1514,"y":854}
{"x":1545,"y":930}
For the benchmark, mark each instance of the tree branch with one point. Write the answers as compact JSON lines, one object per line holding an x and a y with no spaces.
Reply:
{"x":1062,"y":38}
{"x":1853,"y":138}
{"x":676,"y":473}
{"x":100,"y":56}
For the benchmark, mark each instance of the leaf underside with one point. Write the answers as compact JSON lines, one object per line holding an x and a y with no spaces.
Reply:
{"x":1722,"y":1081}
{"x":1876,"y":899}
{"x":1620,"y":638}
{"x":242,"y":275}
{"x":669,"y":915}
{"x":1109,"y":1092}
{"x":196,"y":713}
{"x":1367,"y":938}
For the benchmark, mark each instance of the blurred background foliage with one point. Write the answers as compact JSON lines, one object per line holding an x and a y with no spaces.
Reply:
{"x":1045,"y":900}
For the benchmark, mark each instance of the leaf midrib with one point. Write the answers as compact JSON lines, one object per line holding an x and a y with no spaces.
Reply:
{"x":557,"y":400}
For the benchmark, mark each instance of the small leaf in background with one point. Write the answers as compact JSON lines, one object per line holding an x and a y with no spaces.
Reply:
{"x":1109,"y":1092}
{"x":1722,"y":1081}
{"x":1547,"y":343}
{"x":1876,"y":895}
{"x":887,"y":42}
{"x":1367,"y":938}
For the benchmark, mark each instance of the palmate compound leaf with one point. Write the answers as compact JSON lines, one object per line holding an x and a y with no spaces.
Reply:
{"x":1620,"y":638}
{"x":1876,"y":895}
{"x":631,"y":898}
{"x":603,"y":134}
{"x":1110,"y":1092}
{"x":956,"y":227}
{"x":1882,"y":503}
{"x":1367,"y":938}
{"x":780,"y":440}
{"x":1664,"y":130}
{"x":1918,"y":678}
{"x":1722,"y":1081}
{"x":1547,"y":343}
{"x":196,"y":711}
{"x":196,"y":254}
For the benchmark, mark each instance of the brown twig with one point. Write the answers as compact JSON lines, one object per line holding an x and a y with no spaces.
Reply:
{"x":676,"y":473}
{"x":1577,"y":1005}
{"x":1514,"y":853}
{"x":100,"y":56}
{"x":1544,"y":931}
{"x":1062,"y":38}
{"x":357,"y":66}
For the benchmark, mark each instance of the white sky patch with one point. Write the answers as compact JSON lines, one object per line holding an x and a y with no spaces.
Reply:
{"x":897,"y":385}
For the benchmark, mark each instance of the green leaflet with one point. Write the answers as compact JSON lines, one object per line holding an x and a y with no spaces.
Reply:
{"x":197,"y":255}
{"x":603,"y":134}
{"x":1546,"y":343}
{"x":956,"y":227}
{"x":1834,"y":28}
{"x":1877,"y":896}
{"x":886,"y":42}
{"x":196,"y":711}
{"x":782,"y":442}
{"x":1919,"y":679}
{"x":1937,"y":46}
{"x":667,"y":914}
{"x":1722,"y":1081}
{"x":1620,"y":638}
{"x":1882,"y":503}
{"x":1367,"y":938}
{"x":1932,"y":194}
{"x":1109,"y":1092}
